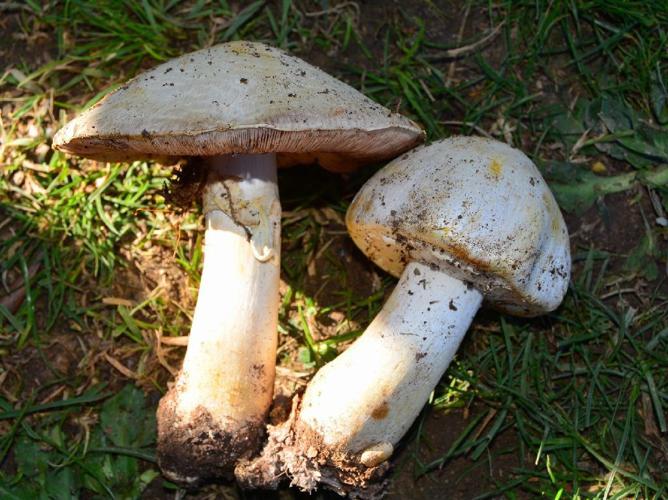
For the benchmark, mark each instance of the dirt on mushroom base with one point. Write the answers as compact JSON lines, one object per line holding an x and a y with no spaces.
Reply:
{"x":211,"y":444}
{"x":311,"y":463}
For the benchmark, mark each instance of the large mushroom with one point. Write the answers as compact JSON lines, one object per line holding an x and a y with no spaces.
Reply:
{"x":245,"y":108}
{"x":457,"y":221}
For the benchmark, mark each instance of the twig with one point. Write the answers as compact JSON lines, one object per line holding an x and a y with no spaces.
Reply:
{"x":287,"y":372}
{"x":468,"y":49}
{"x":160,"y":352}
{"x":619,"y":292}
{"x":178,"y":341}
{"x":460,"y":36}
{"x":7,"y":6}
{"x":120,"y":367}
{"x":331,"y":10}
{"x":13,"y":300}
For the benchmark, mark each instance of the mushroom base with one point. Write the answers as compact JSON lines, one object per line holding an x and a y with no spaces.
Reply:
{"x":193,"y":450}
{"x":297,"y":452}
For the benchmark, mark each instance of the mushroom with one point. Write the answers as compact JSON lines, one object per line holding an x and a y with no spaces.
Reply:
{"x":460,"y":220}
{"x":244,"y":108}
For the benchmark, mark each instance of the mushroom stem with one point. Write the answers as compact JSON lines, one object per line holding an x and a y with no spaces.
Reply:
{"x":364,"y":401}
{"x":215,"y":412}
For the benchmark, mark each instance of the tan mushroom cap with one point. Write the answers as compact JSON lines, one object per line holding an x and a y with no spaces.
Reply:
{"x":475,"y":208}
{"x":239,"y":97}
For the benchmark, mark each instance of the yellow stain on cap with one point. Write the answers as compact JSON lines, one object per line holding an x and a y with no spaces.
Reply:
{"x":553,"y":213}
{"x":495,"y":169}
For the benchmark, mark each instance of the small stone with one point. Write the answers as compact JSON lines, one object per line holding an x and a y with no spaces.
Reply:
{"x":311,"y":452}
{"x":42,"y":150}
{"x":18,"y":178}
{"x":599,"y":167}
{"x":33,"y":131}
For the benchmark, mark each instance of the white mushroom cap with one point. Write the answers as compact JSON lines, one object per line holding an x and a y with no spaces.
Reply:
{"x":475,"y":208}
{"x":239,"y":97}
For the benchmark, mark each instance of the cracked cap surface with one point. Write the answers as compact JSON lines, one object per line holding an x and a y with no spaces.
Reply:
{"x":239,"y":97}
{"x":475,"y":208}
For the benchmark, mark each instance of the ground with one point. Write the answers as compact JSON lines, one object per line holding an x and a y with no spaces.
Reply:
{"x":99,"y":263}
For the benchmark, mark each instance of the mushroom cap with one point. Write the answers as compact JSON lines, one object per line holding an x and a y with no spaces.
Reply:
{"x":239,"y":97}
{"x":474,"y":208}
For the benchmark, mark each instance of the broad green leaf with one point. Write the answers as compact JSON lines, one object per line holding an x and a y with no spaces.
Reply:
{"x":579,"y":196}
{"x":306,"y":356}
{"x":614,"y":128}
{"x":656,"y":140}
{"x":96,"y":465}
{"x":20,"y":491}
{"x":616,"y":116}
{"x":126,"y":420}
{"x":31,"y":460}
{"x":637,"y":145}
{"x":63,"y":484}
{"x":577,"y":189}
{"x":619,"y":152}
{"x":569,"y":128}
{"x":642,"y":258}
{"x":124,"y":473}
{"x":659,"y":99}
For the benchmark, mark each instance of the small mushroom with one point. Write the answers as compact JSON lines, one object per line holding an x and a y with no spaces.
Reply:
{"x":244,"y":108}
{"x":457,"y":221}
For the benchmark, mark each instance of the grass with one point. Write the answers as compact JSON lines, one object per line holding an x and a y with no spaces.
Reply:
{"x":572,"y":405}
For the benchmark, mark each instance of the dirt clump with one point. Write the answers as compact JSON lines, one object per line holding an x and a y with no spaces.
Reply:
{"x":200,"y":449}
{"x":298,"y":453}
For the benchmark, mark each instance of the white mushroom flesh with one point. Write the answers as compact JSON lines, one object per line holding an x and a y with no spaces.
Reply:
{"x":229,"y":364}
{"x":371,"y":393}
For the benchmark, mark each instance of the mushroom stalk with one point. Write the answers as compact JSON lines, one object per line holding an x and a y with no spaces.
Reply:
{"x":215,"y":412}
{"x":366,"y":399}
